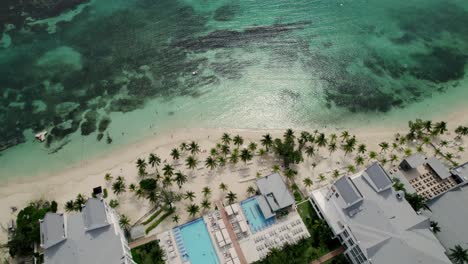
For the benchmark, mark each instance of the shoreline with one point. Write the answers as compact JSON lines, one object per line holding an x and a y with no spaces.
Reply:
{"x":81,"y":178}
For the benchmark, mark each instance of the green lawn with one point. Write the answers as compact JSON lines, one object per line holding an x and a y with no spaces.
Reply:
{"x":149,"y":253}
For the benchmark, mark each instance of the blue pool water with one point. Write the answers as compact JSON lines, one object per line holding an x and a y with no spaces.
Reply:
{"x":194,"y":243}
{"x":255,"y":216}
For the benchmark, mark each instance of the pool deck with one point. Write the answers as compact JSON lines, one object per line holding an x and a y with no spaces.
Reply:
{"x":231,"y":232}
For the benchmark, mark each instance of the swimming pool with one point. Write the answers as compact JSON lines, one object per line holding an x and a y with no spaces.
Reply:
{"x":254,"y":216}
{"x":194,"y":243}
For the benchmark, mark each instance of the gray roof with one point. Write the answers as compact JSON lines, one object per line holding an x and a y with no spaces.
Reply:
{"x":94,"y":214}
{"x":348,"y":192}
{"x":384,"y":225}
{"x":461,"y":171}
{"x":408,"y":187}
{"x":415,"y":160}
{"x":438,"y":167}
{"x":102,"y":245}
{"x":264,"y":207}
{"x":449,"y":211}
{"x":137,"y":232}
{"x":377,"y":177}
{"x":53,"y":230}
{"x":275,"y":191}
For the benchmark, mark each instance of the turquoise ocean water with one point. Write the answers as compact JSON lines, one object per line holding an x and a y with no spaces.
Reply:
{"x":123,"y":69}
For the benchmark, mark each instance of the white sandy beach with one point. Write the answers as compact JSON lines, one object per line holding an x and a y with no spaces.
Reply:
{"x":81,"y":178}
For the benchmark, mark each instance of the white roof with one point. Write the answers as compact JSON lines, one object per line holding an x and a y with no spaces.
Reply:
{"x":387,"y":229}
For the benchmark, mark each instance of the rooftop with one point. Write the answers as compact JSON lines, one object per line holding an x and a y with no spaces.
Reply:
{"x":383,"y":224}
{"x":414,"y":160}
{"x":461,"y":172}
{"x":445,"y":210}
{"x":101,"y":243}
{"x":275,"y":192}
{"x":438,"y":167}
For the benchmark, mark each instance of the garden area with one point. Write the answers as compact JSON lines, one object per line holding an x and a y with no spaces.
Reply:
{"x":307,"y":250}
{"x":149,"y":253}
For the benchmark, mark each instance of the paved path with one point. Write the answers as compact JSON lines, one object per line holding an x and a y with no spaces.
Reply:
{"x":329,"y":256}
{"x":141,"y":241}
{"x":230,"y":230}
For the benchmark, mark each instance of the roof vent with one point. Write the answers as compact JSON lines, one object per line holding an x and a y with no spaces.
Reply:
{"x":400,"y":195}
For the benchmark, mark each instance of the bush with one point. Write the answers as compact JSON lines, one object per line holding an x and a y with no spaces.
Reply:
{"x":297,"y":196}
{"x":149,"y":253}
{"x":27,"y":228}
{"x":164,"y":216}
{"x":148,"y":185}
{"x":105,"y":193}
{"x":153,"y":216}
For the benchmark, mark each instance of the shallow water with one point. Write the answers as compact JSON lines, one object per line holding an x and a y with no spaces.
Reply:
{"x":122,"y":70}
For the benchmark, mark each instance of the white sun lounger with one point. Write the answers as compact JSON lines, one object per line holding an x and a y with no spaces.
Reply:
{"x":229,"y":210}
{"x":221,"y":224}
{"x":243,"y":226}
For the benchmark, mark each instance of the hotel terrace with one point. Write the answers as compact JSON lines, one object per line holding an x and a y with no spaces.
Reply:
{"x":238,"y":233}
{"x":428,"y":177}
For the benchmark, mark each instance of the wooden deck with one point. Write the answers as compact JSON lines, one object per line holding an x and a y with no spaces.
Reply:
{"x":230,"y":230}
{"x":141,"y":241}
{"x":328,"y":256}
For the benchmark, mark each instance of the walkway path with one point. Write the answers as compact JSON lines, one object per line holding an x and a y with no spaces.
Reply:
{"x":230,"y":230}
{"x":141,"y":241}
{"x":329,"y":256}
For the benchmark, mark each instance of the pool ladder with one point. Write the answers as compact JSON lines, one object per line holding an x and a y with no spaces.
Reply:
{"x":180,"y":242}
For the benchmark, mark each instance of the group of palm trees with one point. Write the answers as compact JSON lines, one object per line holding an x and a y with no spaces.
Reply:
{"x":290,"y":148}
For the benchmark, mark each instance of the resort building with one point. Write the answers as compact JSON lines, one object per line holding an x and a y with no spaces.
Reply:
{"x":374,"y":223}
{"x":238,"y":233}
{"x":428,"y":177}
{"x":91,"y":236}
{"x":448,"y":210}
{"x":274,"y":195}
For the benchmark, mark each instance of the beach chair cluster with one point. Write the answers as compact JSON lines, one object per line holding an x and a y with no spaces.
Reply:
{"x":231,"y":257}
{"x":167,"y":245}
{"x":180,"y":244}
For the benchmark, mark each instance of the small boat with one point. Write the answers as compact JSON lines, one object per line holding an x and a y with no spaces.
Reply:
{"x":41,"y":136}
{"x":194,"y":72}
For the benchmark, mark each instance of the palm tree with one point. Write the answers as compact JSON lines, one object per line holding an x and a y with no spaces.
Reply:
{"x":246,"y":155}
{"x":383,"y":146}
{"x":408,"y":152}
{"x":118,"y":187}
{"x":252,"y":146}
{"x":154,"y":161}
{"x":175,"y":154}
{"x":180,"y":178}
{"x":225,"y":149}
{"x":234,"y":157}
{"x":332,"y":147}
{"x":373,"y":155}
{"x":435,"y":227}
{"x":359,"y":160}
{"x":336,"y":173}
{"x":114,"y":203}
{"x":139,"y":193}
{"x":153,"y":197}
{"x":168,"y":170}
{"x":141,"y":165}
{"x":267,"y":141}
{"x":344,"y":136}
{"x":362,"y":149}
{"x":167,"y":181}
{"x":440,"y":127}
{"x":194,"y":148}
{"x":69,"y":206}
{"x":205,"y":204}
{"x":275,"y":168}
{"x":191,"y":162}
{"x":238,"y":140}
{"x":321,"y":140}
{"x":458,"y":255}
{"x":290,"y":174}
{"x":393,"y":158}
{"x":333,"y":137}
{"x":183,"y":146}
{"x":79,"y":202}
{"x":449,"y":155}
{"x":211,"y":163}
{"x":223,"y":187}
{"x":308,"y":182}
{"x":428,"y":125}
{"x":189,"y":195}
{"x":206,"y":191}
{"x":231,"y":197}
{"x":351,"y":169}
{"x":124,"y":222}
{"x":261,"y":152}
{"x":251,"y":190}
{"x":348,"y":148}
{"x":132,"y":187}
{"x":310,"y":151}
{"x":221,"y":161}
{"x":213,"y":152}
{"x":322,"y":177}
{"x":193,"y":209}
{"x":226,"y":139}
{"x":175,"y":219}
{"x":107,"y":177}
